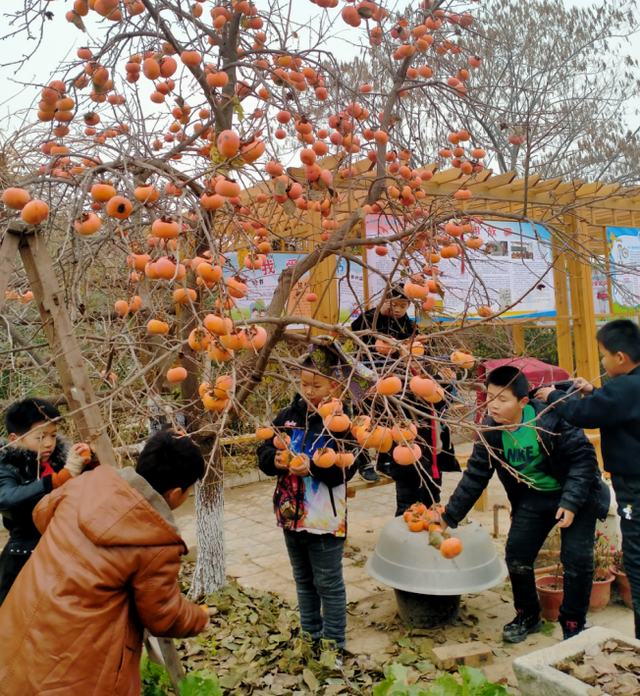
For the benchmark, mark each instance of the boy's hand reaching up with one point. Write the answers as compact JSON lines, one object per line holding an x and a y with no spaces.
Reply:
{"x":77,"y":459}
{"x":565,"y":516}
{"x":543,"y":393}
{"x":302,"y":469}
{"x":581,"y":384}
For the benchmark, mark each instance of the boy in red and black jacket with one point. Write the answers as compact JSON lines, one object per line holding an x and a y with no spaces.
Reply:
{"x":310,"y":503}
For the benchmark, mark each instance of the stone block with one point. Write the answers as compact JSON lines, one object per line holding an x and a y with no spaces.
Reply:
{"x":536,"y":672}
{"x":450,"y":657}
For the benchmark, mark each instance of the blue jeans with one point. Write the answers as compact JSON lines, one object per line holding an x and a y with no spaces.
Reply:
{"x":316,"y":560}
{"x":533,"y":518}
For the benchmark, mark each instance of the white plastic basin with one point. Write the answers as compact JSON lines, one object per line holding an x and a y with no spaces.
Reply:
{"x":405,"y":561}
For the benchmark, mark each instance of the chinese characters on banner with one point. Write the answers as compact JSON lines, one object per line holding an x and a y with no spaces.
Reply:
{"x":262,"y":284}
{"x":624,"y":254}
{"x":510,"y":271}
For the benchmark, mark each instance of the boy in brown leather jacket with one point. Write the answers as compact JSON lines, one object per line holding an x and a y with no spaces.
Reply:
{"x":105,"y":569}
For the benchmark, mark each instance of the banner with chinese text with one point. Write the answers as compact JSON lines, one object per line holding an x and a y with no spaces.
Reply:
{"x":511,"y":271}
{"x":624,"y":254}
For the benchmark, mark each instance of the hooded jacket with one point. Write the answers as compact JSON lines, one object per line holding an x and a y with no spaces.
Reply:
{"x":615,"y":409}
{"x":105,"y":569}
{"x":401,"y":328}
{"x":22,"y":486}
{"x":316,"y":503}
{"x":570,"y":458}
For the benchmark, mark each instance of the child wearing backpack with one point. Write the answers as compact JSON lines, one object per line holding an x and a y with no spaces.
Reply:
{"x":615,"y":409}
{"x":310,"y":503}
{"x":550,"y":473}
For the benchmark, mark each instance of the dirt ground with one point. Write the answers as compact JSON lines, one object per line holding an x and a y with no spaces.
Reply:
{"x":257,"y":558}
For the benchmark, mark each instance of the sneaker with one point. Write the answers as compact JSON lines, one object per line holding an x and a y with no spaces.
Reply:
{"x":521,"y":627}
{"x":571,"y":628}
{"x":330,"y":654}
{"x":369,"y":474}
{"x":384,"y":468}
{"x":308,"y":641}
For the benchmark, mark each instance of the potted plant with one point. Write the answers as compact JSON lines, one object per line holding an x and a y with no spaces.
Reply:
{"x":622,"y":581}
{"x":602,"y":575}
{"x":551,"y":591}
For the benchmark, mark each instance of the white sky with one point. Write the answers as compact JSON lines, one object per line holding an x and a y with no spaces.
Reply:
{"x":61,"y":40}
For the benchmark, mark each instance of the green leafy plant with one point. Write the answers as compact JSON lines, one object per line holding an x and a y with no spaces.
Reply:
{"x":154,"y":678}
{"x":474,"y":683}
{"x":201,"y":683}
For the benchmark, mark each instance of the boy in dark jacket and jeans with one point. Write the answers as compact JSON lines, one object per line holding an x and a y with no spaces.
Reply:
{"x":550,"y":473}
{"x":615,"y":409}
{"x":32,"y":465}
{"x":310,"y":503}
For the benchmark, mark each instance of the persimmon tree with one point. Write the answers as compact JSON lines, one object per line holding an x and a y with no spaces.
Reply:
{"x":164,"y":144}
{"x":554,"y":94}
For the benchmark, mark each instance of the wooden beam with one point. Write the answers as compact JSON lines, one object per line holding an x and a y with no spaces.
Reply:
{"x":8,"y":253}
{"x":517,"y":185}
{"x":66,"y":352}
{"x":445,"y":176}
{"x":500,"y":180}
{"x":547,"y":185}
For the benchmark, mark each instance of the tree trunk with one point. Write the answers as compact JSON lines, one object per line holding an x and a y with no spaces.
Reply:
{"x":210,"y":573}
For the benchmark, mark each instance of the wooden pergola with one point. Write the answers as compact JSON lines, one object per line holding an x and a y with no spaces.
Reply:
{"x":576,"y":212}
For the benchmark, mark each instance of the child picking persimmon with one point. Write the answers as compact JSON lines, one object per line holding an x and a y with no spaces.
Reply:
{"x":313,"y":462}
{"x":550,"y":473}
{"x":390,"y":318}
{"x":35,"y":462}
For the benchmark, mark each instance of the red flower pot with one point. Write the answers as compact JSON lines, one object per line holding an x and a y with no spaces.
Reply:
{"x":624,"y":587}
{"x":601,"y":593}
{"x":550,"y":598}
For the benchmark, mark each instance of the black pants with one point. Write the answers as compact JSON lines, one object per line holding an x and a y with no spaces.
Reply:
{"x":627,"y":490}
{"x":411,"y":489}
{"x":533,"y":519}
{"x":12,"y":560}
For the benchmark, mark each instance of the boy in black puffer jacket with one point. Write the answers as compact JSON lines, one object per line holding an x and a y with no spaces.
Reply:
{"x":33,"y":463}
{"x":310,"y":503}
{"x":550,"y":472}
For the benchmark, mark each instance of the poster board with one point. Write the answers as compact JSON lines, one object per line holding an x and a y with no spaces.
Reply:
{"x":514,"y":262}
{"x":262,"y":285}
{"x":624,"y":257}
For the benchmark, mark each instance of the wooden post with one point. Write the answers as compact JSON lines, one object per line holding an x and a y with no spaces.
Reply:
{"x":518,"y":339}
{"x":323,"y":282}
{"x":563,"y":326}
{"x":584,"y":324}
{"x":76,"y":384}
